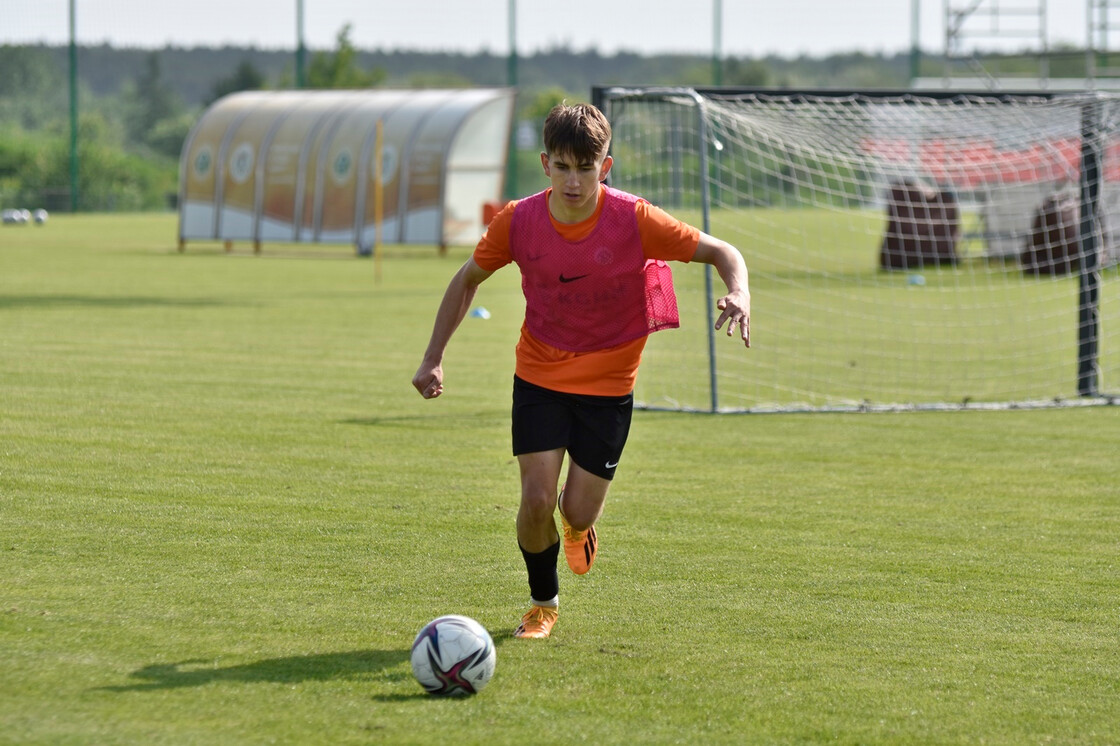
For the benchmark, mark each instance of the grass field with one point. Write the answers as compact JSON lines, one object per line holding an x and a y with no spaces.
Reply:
{"x":836,"y":332}
{"x":224,"y":514}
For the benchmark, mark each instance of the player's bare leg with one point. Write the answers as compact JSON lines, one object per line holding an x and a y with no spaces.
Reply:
{"x":581,"y":503}
{"x":539,"y":539}
{"x":536,"y":522}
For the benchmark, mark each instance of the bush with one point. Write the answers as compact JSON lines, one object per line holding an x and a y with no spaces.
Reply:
{"x":35,"y":171}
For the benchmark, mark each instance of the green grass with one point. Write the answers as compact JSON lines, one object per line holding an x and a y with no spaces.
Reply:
{"x":224,"y":514}
{"x":832,"y":330}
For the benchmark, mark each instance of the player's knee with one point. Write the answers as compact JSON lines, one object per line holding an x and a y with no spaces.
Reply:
{"x":538,"y":503}
{"x":580,"y":518}
{"x":582,"y":522}
{"x":581,"y":514}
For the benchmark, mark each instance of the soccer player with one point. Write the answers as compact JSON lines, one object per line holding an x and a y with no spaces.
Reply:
{"x":592,"y":261}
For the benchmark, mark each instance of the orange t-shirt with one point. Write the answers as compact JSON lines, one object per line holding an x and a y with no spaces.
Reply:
{"x":607,"y":372}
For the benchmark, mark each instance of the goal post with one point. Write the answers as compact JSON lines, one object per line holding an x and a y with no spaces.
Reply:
{"x":932,"y":250}
{"x":1089,"y":279}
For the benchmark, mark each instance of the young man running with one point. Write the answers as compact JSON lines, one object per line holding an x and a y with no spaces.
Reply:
{"x":592,"y":261}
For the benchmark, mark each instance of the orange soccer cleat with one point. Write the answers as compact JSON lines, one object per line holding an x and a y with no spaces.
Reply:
{"x":579,"y":546}
{"x":537,"y":622}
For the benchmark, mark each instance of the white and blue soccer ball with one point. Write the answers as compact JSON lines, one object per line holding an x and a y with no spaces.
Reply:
{"x":453,"y":655}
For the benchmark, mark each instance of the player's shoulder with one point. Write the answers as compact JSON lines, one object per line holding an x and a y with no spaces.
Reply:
{"x":648,"y":212}
{"x":493,"y":249}
{"x":501,"y":219}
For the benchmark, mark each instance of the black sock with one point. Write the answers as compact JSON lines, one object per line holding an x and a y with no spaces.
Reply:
{"x":544,"y":583}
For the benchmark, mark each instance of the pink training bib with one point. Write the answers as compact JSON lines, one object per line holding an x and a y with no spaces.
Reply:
{"x":594,"y":293}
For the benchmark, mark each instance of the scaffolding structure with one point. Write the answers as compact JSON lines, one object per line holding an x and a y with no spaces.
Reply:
{"x":1103,"y":20}
{"x":980,"y":34}
{"x":973,"y":24}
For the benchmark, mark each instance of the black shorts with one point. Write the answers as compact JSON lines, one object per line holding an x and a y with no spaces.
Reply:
{"x":592,"y":429}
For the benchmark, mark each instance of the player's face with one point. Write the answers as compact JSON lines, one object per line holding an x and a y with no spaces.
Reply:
{"x":575,"y":185}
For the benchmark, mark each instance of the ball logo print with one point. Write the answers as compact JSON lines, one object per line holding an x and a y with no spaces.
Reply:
{"x":453,"y":656}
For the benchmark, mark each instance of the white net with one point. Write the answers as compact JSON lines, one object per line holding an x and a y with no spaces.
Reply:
{"x":904,"y":251}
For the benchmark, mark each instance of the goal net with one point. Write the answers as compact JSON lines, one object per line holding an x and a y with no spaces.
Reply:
{"x":904,"y":251}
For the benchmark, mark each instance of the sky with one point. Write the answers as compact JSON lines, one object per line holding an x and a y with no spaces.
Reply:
{"x":748,"y":28}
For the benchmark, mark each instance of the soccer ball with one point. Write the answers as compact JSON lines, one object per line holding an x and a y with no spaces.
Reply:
{"x":453,"y":655}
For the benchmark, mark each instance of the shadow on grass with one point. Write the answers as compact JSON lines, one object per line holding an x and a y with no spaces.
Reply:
{"x":440,"y":418}
{"x":290,"y":670}
{"x":98,"y":301}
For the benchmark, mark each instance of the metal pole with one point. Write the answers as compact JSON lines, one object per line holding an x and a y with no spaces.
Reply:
{"x":1089,"y":280}
{"x":511,"y":80}
{"x":1102,"y":36}
{"x":717,"y":42}
{"x":948,"y":41}
{"x":301,"y":49}
{"x":1089,"y":72}
{"x":706,"y":223}
{"x":511,"y":60}
{"x":915,"y":39}
{"x":73,"y":110}
{"x":1044,"y":62}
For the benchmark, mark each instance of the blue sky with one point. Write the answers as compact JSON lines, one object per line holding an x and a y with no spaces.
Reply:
{"x":749,"y":27}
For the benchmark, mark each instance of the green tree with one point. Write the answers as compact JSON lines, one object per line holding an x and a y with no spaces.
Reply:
{"x":536,"y":110}
{"x":35,"y":170}
{"x":28,"y":71}
{"x":745,"y":72}
{"x":167,"y":137}
{"x":32,"y":88}
{"x":150,"y":101}
{"x":245,"y":78}
{"x":340,"y":69}
{"x":438,"y":79}
{"x":18,"y":153}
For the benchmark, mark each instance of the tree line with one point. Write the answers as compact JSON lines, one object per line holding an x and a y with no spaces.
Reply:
{"x":136,"y":106}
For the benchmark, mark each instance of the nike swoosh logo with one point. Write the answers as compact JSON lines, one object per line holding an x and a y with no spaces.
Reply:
{"x":609,"y":465}
{"x":571,"y":279}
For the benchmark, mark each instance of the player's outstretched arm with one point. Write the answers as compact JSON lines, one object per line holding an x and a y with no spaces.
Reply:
{"x":735,"y":307}
{"x":454,"y":306}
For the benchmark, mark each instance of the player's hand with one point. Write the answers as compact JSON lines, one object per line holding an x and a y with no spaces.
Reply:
{"x":429,"y":381}
{"x":735,"y":310}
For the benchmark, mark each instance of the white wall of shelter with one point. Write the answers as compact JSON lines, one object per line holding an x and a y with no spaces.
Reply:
{"x":300,"y":166}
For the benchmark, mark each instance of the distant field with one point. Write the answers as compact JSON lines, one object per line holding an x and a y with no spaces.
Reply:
{"x":832,"y":330}
{"x":224,"y":514}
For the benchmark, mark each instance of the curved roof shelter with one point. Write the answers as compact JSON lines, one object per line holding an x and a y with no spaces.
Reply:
{"x":301,"y":166}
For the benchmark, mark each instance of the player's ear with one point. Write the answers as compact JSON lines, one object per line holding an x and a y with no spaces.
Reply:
{"x":544,"y":163}
{"x":605,"y":168}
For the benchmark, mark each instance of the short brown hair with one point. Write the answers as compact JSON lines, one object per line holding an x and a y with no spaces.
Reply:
{"x":579,"y":130}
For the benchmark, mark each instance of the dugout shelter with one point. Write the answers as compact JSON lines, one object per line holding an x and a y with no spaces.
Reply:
{"x":350,"y":167}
